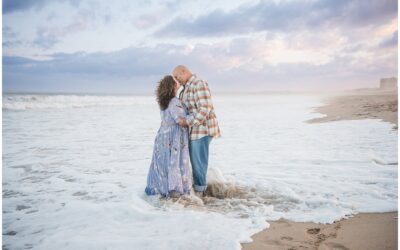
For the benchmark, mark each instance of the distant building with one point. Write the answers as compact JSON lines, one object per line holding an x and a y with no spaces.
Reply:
{"x":388,"y":83}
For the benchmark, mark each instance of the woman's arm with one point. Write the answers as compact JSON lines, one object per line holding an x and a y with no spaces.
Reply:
{"x":177,"y":111}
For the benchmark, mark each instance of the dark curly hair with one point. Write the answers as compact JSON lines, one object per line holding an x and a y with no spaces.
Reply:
{"x":165,"y":91}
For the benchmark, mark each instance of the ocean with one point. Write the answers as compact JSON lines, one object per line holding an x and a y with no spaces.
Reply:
{"x":75,"y":168}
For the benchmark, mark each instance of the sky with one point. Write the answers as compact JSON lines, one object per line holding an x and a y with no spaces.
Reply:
{"x":125,"y":46}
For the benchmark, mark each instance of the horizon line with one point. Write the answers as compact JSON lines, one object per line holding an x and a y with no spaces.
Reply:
{"x":26,"y":92}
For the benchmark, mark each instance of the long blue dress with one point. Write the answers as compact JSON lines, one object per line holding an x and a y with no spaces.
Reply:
{"x":170,"y":168}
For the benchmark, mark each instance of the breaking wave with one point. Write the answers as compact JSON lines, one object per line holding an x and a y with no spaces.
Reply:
{"x":37,"y":101}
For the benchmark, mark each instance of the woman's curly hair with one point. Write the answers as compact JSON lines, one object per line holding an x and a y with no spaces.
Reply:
{"x":165,"y":91}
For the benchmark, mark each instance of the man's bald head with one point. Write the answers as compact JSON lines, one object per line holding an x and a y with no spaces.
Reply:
{"x":181,"y":68}
{"x":182,"y":74}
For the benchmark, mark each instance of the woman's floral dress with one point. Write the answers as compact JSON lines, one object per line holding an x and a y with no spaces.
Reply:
{"x":170,"y":168}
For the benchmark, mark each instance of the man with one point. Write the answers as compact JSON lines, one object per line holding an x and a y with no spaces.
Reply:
{"x":196,"y":96}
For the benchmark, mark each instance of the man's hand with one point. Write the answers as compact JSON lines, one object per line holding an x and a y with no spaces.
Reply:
{"x":183,"y":122}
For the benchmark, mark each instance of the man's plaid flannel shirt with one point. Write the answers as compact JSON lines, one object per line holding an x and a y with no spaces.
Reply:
{"x":202,"y":119}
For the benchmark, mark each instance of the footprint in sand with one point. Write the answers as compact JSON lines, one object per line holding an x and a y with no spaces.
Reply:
{"x":336,"y":246}
{"x":313,"y":230}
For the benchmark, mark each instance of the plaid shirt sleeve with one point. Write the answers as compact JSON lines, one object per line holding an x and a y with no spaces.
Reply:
{"x":202,"y":98}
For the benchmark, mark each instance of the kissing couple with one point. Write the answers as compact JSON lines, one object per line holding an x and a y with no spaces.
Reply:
{"x":181,"y":147}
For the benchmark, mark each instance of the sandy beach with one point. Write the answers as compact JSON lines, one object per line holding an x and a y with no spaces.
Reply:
{"x":363,"y":231}
{"x":360,"y":104}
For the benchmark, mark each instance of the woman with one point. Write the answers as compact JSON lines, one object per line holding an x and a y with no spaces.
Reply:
{"x":170,"y":171}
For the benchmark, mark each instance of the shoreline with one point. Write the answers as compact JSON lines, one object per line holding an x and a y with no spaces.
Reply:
{"x":356,"y":105}
{"x":362,"y":231}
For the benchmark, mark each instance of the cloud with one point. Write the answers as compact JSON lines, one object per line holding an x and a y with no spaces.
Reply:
{"x":263,"y":45}
{"x":17,"y":61}
{"x":8,"y":32}
{"x":13,"y":44}
{"x":128,"y":70}
{"x":283,"y":16}
{"x":125,"y":63}
{"x":10,"y":6}
{"x":47,"y":37}
{"x":391,"y":41}
{"x":11,"y":38}
{"x":235,"y":65}
{"x":147,"y":21}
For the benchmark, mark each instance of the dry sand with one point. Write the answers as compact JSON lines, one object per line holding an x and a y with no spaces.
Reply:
{"x":366,"y":231}
{"x":363,"y":104}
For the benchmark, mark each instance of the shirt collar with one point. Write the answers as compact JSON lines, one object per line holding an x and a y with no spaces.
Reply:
{"x":191,"y":79}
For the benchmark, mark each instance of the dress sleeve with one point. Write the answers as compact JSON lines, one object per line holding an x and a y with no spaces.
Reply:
{"x":176,"y":110}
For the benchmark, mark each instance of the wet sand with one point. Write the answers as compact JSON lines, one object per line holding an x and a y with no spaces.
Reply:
{"x":367,"y":231}
{"x":363,"y":231}
{"x":364,"y":104}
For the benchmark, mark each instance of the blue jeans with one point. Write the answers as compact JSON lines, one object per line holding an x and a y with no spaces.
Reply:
{"x":198,"y":150}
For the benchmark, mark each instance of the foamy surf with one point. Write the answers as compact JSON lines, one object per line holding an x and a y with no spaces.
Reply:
{"x":220,"y":196}
{"x":68,"y":170}
{"x":58,"y":101}
{"x":379,"y":160}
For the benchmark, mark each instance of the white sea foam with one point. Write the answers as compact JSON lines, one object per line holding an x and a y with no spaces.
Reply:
{"x":58,"y":101}
{"x":74,"y":178}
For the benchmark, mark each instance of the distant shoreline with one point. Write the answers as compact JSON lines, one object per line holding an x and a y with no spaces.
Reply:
{"x":356,"y":105}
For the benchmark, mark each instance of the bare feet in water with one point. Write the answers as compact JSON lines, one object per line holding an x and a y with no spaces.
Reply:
{"x":199,"y":194}
{"x":174,"y":194}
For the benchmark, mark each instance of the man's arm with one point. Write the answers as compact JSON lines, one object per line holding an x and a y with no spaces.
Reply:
{"x":202,"y":97}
